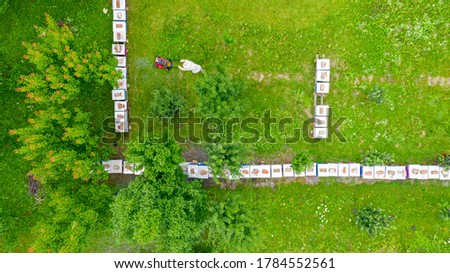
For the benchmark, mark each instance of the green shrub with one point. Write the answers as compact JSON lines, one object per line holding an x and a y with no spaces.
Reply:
{"x":444,"y":161}
{"x":377,"y":95}
{"x":220,"y":99}
{"x":166,"y":102}
{"x":444,"y":213}
{"x":372,"y":220}
{"x":373,"y":158}
{"x":220,"y":95}
{"x":302,"y":161}
{"x":230,"y":226}
{"x":224,"y":157}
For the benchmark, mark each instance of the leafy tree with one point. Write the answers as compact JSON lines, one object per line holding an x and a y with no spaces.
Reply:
{"x":159,"y":216}
{"x":159,"y":211}
{"x":376,"y":158}
{"x":62,"y":67}
{"x":373,"y":220}
{"x":220,"y":99}
{"x":230,"y":226}
{"x":224,"y":157}
{"x":58,"y":142}
{"x":302,"y":161}
{"x":219,"y":95}
{"x":166,"y":102}
{"x":60,"y":138}
{"x":68,"y":213}
{"x":160,"y":159}
{"x":61,"y":141}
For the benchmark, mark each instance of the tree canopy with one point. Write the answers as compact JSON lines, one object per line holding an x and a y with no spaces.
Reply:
{"x":219,"y":95}
{"x":166,"y":102}
{"x":61,"y":138}
{"x":66,"y":215}
{"x":219,"y":101}
{"x":159,"y":211}
{"x":229,"y":227}
{"x":302,"y":161}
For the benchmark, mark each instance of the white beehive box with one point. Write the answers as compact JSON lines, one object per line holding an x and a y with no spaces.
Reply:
{"x":287,"y":170}
{"x":379,"y":172}
{"x":312,"y":171}
{"x":203,"y":171}
{"x":128,"y":168}
{"x":119,"y":94}
{"x":193,"y":171}
{"x":321,"y":110}
{"x":245,"y":171}
{"x":323,"y":64}
{"x":119,"y":4}
{"x":322,"y":169}
{"x":119,"y":15}
{"x":343,"y":169}
{"x":322,"y":76}
{"x":120,"y":106}
{"x":433,"y":172}
{"x":119,"y":49}
{"x":322,"y":88}
{"x":320,"y":133}
{"x":320,"y":122}
{"x":121,"y":61}
{"x":333,"y":169}
{"x":116,"y":166}
{"x":368,"y":172}
{"x":355,"y":169}
{"x":277,"y":171}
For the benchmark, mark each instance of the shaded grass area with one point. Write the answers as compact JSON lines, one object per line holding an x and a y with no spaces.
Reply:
{"x":320,"y":218}
{"x":91,"y":25}
{"x":16,"y":206}
{"x":271,"y":47}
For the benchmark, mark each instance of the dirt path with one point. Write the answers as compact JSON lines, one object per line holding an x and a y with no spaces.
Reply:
{"x":388,"y":78}
{"x":427,"y":80}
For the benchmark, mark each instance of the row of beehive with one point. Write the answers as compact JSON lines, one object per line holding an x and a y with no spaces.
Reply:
{"x":321,"y":87}
{"x":121,"y":166}
{"x":119,"y":95}
{"x":202,"y":171}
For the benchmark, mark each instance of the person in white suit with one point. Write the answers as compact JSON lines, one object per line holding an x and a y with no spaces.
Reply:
{"x":190,"y":66}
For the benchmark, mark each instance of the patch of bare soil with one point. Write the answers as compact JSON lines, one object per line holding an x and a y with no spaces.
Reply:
{"x":356,"y":93}
{"x":429,"y":80}
{"x":308,"y":112}
{"x":261,"y":76}
{"x":441,"y":81}
{"x":285,"y":155}
{"x":195,"y":152}
{"x":120,"y":179}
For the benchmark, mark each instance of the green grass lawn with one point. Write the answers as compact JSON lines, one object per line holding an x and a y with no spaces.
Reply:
{"x":271,"y":45}
{"x":292,"y":217}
